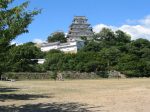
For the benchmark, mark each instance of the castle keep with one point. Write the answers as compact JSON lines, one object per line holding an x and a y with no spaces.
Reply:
{"x":80,"y":28}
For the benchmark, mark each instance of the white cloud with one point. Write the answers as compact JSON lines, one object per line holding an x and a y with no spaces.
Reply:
{"x":14,"y":42}
{"x":140,"y":30}
{"x":137,"y":31}
{"x":145,"y":21}
{"x":66,"y":34}
{"x":98,"y":28}
{"x":38,"y":41}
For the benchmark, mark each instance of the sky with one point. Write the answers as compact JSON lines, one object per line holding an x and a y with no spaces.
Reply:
{"x":131,"y":16}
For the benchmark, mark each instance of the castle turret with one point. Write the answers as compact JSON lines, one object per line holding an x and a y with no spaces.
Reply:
{"x":79,"y":28}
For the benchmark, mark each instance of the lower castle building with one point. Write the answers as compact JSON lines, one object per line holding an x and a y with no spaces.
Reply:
{"x":71,"y":46}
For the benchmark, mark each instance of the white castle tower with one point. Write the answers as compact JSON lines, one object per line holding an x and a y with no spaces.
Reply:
{"x":80,"y":28}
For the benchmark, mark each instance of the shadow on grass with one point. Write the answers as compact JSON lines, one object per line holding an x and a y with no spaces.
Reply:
{"x":4,"y":97}
{"x":50,"y":107}
{"x":5,"y":89}
{"x":40,"y":107}
{"x":7,"y":94}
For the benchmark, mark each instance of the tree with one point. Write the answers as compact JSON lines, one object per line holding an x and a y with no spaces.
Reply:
{"x":85,"y":60}
{"x":53,"y":51}
{"x":105,"y":34}
{"x":13,"y":22}
{"x":92,"y":66}
{"x":58,"y":36}
{"x":109,"y":57}
{"x":122,"y":37}
{"x":23,"y":58}
{"x":92,"y":46}
{"x":53,"y":61}
{"x":141,"y":43}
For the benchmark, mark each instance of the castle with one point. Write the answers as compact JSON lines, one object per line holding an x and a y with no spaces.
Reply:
{"x":71,"y":46}
{"x":79,"y":28}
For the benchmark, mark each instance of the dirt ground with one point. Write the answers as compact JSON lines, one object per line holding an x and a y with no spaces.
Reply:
{"x":103,"y":95}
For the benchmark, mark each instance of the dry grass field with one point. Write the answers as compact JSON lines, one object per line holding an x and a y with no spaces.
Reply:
{"x":104,"y":95}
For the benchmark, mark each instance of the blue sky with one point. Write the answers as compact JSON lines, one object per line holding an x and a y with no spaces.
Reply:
{"x":115,"y":14}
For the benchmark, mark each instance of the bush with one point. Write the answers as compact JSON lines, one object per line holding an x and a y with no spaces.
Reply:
{"x":102,"y":74}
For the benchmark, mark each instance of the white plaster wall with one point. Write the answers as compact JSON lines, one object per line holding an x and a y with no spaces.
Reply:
{"x":69,"y":49}
{"x":73,"y":43}
{"x":47,"y":48}
{"x":41,"y":61}
{"x":72,"y":46}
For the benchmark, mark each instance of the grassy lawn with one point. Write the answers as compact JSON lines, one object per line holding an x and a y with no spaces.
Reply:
{"x":104,"y":95}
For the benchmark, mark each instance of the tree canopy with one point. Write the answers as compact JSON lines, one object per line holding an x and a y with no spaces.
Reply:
{"x":23,"y":58}
{"x":14,"y":22}
{"x":108,"y":51}
{"x":57,"y":36}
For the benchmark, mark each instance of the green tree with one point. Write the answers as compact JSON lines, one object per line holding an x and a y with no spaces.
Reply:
{"x":109,"y":57}
{"x":53,"y":51}
{"x":92,"y":66}
{"x":58,"y":36}
{"x":14,"y":21}
{"x":85,"y":60}
{"x":122,"y":37}
{"x":105,"y":34}
{"x":54,"y":61}
{"x":68,"y":62}
{"x":92,"y":46}
{"x":23,"y":58}
{"x":141,"y":43}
